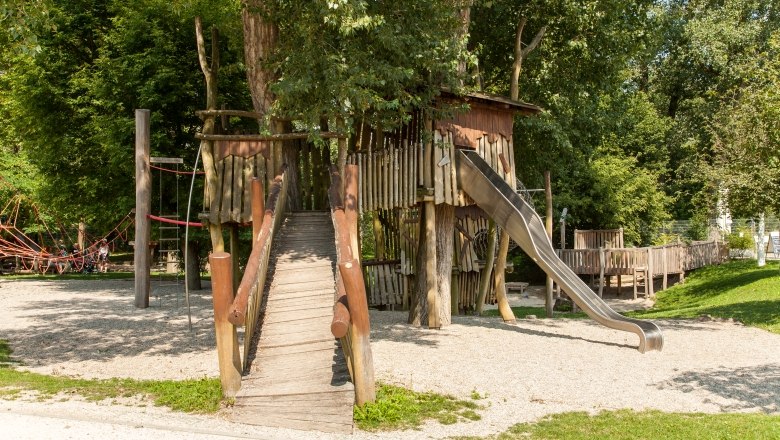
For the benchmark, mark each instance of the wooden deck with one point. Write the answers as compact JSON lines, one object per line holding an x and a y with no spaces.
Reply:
{"x":298,"y":378}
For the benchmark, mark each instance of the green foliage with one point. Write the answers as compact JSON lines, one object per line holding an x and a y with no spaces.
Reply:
{"x":740,"y":240}
{"x":398,"y":408}
{"x":633,"y":425}
{"x":600,"y":135}
{"x":20,"y":23}
{"x":737,"y":290}
{"x":70,"y":106}
{"x":353,"y":59}
{"x":713,"y":76}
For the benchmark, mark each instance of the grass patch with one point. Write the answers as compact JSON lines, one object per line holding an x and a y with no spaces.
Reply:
{"x":522,"y":311}
{"x":399,"y":408}
{"x":631,"y":425}
{"x":196,"y":395}
{"x":738,"y":290}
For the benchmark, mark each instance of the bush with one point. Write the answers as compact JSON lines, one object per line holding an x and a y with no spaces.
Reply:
{"x":740,"y":241}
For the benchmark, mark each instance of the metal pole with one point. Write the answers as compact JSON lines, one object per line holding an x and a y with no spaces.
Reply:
{"x":187,"y":242}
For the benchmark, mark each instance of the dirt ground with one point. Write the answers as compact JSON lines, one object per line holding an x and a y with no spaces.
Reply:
{"x":87,"y":328}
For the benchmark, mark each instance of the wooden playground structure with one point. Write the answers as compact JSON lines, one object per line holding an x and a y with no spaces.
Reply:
{"x":600,"y":255}
{"x":303,"y":299}
{"x":425,"y":195}
{"x":304,"y":294}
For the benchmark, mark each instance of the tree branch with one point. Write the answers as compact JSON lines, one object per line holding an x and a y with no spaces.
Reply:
{"x":517,"y":66}
{"x":520,"y":54}
{"x":535,"y":42}
{"x":204,"y":66}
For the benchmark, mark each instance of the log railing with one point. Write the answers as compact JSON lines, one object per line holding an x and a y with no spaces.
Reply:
{"x":350,"y":311}
{"x":243,"y":308}
{"x":657,"y":261}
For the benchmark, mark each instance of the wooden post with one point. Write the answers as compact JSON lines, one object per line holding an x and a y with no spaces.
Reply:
{"x":234,"y":251}
{"x":82,"y":233}
{"x":664,"y":264}
{"x":143,"y":202}
{"x":602,"y":263}
{"x":650,"y":287}
{"x":227,"y":338}
{"x":484,"y":280}
{"x":362,"y":359}
{"x":258,"y":208}
{"x":455,"y":291}
{"x":548,"y":226}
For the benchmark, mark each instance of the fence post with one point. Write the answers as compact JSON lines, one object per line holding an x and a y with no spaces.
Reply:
{"x":602,"y":263}
{"x":664,"y":263}
{"x":227,"y":338}
{"x":650,"y":274}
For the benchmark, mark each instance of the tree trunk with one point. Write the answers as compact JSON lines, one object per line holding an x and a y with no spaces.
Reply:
{"x":445,"y":230}
{"x":193,"y":266}
{"x":514,"y":93}
{"x":418,"y":306}
{"x":760,"y":248}
{"x":260,"y":38}
{"x":500,"y":280}
{"x":207,"y":147}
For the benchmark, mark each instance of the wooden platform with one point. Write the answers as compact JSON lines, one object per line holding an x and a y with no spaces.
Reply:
{"x":299,"y":377}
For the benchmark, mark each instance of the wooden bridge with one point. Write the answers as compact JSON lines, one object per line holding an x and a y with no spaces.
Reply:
{"x":302,"y":302}
{"x":298,"y":377}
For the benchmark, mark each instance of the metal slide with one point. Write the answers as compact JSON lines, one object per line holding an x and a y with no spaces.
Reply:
{"x":523,"y":224}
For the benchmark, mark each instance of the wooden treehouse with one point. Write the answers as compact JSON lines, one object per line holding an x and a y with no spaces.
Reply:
{"x":303,"y":297}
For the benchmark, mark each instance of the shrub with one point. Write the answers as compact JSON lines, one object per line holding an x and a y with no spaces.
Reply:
{"x":740,"y":241}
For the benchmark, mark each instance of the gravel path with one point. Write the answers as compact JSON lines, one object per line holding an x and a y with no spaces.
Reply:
{"x":526,"y":371}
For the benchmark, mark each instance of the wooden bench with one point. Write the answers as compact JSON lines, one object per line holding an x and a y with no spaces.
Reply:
{"x":517,"y":286}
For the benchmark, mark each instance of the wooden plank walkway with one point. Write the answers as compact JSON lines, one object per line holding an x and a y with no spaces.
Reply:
{"x":298,"y":378}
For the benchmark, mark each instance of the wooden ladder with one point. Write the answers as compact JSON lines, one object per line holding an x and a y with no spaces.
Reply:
{"x":640,"y":281}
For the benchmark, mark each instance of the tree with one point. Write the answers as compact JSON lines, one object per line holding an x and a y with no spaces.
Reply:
{"x":70,"y":105}
{"x":586,"y":73}
{"x":709,"y":52}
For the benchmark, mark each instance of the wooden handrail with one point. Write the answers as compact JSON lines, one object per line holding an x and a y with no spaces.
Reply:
{"x":255,"y":270}
{"x":350,"y":311}
{"x":267,"y":137}
{"x":341,"y":319}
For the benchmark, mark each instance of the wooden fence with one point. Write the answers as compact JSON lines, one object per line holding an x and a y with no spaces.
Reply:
{"x":658,"y":261}
{"x":394,"y":177}
{"x":598,"y":238}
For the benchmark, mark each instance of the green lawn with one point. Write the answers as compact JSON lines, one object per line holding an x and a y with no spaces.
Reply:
{"x":521,"y":312}
{"x":738,"y":289}
{"x":645,"y":425}
{"x":200,"y":396}
{"x":398,"y":408}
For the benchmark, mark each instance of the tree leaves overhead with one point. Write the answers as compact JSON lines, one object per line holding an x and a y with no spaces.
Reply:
{"x":651,"y":107}
{"x":341,"y":58}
